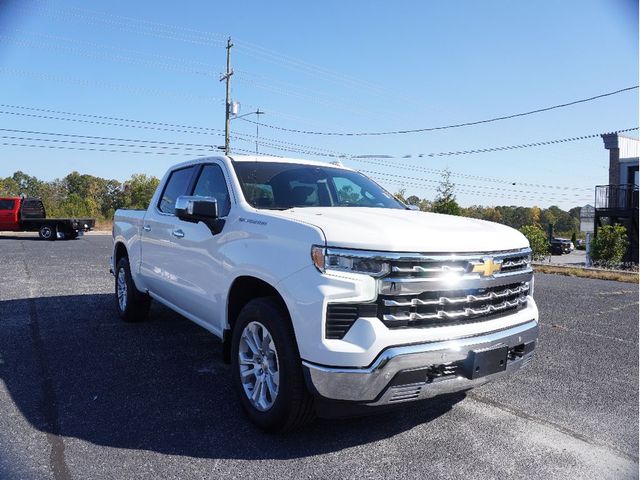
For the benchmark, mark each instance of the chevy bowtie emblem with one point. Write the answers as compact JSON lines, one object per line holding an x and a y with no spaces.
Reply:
{"x":488,"y":267}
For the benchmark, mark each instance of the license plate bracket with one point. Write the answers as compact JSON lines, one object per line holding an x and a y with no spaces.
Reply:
{"x":487,"y":361}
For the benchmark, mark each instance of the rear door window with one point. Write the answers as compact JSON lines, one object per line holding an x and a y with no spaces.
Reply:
{"x":178,"y":184}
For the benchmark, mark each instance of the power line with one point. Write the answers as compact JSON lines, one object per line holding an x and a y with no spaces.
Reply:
{"x":524,"y":196}
{"x":142,"y":124}
{"x":190,"y":35}
{"x":109,"y":144}
{"x":98,"y":148}
{"x":83,"y":43}
{"x":377,"y":160}
{"x":153,"y":25}
{"x":130,"y":57}
{"x":92,"y":149}
{"x":465,"y":186}
{"x":445,"y":127}
{"x":473,"y":177}
{"x":65,"y":147}
{"x":360,"y":157}
{"x":144,"y":27}
{"x":495,"y":149}
{"x":286,"y":88}
{"x":186,"y":149}
{"x":96,"y":122}
{"x":319,"y":100}
{"x":104,"y":117}
{"x":108,"y":85}
{"x":290,"y":146}
{"x":112,"y":139}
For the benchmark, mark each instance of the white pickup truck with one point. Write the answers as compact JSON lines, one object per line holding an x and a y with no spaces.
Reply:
{"x":326,"y":291}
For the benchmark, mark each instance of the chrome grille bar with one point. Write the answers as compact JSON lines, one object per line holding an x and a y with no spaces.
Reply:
{"x":467,"y":312}
{"x":416,"y":285}
{"x":421,"y":269}
{"x":414,"y":302}
{"x":516,"y":263}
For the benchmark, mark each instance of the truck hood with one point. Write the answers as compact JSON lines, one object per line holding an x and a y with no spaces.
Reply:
{"x":393,"y":230}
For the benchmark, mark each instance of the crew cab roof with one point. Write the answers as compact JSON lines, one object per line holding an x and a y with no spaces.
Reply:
{"x":263,"y":158}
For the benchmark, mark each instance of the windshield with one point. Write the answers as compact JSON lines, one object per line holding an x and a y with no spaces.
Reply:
{"x":279,"y":186}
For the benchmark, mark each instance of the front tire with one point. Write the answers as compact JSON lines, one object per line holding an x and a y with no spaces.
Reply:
{"x":266,"y":366}
{"x":131,"y":304}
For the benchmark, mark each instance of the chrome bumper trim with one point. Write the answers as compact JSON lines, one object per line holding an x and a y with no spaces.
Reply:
{"x":367,"y":384}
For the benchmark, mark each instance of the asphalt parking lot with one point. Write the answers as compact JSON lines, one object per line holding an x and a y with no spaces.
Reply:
{"x":84,"y":395}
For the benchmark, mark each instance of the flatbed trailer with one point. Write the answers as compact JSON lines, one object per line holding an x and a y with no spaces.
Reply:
{"x":23,"y":214}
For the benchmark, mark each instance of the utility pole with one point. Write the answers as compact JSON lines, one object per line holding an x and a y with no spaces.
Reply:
{"x":227,"y":77}
{"x":258,"y":113}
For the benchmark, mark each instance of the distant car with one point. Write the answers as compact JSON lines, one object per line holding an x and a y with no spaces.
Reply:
{"x":560,"y":246}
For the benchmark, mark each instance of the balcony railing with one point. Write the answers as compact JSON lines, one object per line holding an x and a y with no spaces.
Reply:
{"x":617,"y":197}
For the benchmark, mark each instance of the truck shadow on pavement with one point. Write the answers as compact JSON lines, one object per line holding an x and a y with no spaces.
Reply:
{"x":22,"y":237}
{"x":74,"y":369}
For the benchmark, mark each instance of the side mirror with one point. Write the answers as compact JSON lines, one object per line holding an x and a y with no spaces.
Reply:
{"x":412,"y":207}
{"x":196,"y":209}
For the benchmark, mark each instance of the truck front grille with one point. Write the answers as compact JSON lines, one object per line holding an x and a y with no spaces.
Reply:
{"x":451,"y":307}
{"x":423,"y":291}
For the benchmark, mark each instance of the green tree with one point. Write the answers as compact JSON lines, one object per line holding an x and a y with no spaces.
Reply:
{"x":610,"y":244}
{"x":138,"y":190}
{"x":413,"y":200}
{"x":422,"y":203}
{"x":445,"y":201}
{"x":27,"y":184}
{"x":400,"y":195}
{"x":537,"y":240}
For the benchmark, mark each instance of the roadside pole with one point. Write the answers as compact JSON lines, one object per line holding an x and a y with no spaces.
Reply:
{"x":227,"y":78}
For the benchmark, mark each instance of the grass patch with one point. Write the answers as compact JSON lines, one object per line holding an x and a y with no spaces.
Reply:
{"x":103,"y":225}
{"x":629,"y":277}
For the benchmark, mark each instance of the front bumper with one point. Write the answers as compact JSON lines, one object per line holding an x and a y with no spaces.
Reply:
{"x":415,"y":372}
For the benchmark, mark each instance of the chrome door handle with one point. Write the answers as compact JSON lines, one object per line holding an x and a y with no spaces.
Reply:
{"x":147,"y":228}
{"x":178,"y":233}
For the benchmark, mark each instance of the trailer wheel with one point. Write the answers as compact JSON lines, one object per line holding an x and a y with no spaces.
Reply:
{"x":132,"y":305}
{"x":47,"y":232}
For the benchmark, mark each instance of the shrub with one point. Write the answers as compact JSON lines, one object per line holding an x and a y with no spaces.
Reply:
{"x":610,"y":244}
{"x":537,"y":240}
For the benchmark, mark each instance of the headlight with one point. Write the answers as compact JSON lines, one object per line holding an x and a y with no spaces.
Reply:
{"x":335,"y":259}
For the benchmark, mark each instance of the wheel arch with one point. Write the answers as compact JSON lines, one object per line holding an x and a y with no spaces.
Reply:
{"x":244,"y":289}
{"x":119,"y":251}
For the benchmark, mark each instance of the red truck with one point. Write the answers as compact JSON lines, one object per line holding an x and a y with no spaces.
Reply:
{"x":23,"y":214}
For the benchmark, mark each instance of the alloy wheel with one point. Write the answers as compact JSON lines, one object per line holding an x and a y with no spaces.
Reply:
{"x":121,"y":289}
{"x":259,"y":367}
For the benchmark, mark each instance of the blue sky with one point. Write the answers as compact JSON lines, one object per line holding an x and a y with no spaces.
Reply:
{"x":328,"y":66}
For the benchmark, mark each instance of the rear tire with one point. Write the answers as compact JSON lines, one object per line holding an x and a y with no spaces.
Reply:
{"x":48,"y":232}
{"x":278,"y":366}
{"x":132,"y":305}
